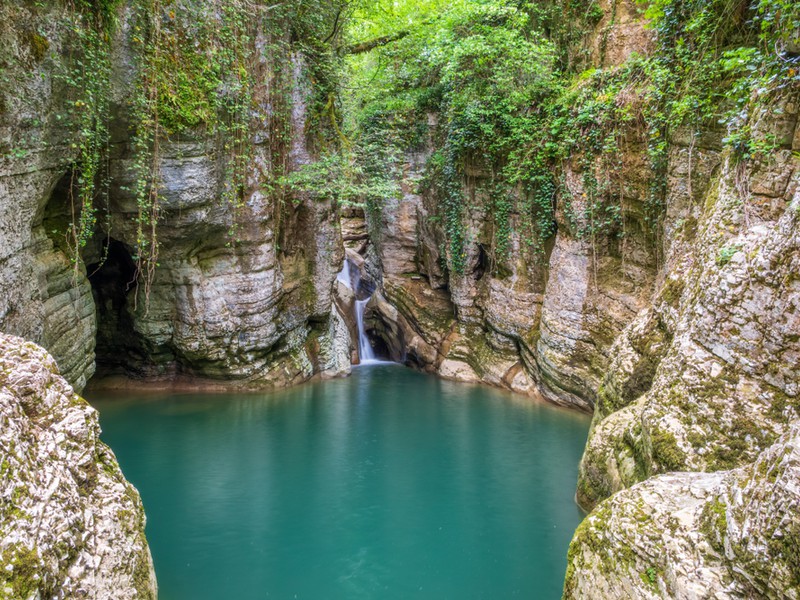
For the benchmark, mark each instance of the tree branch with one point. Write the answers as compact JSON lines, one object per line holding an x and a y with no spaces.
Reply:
{"x":377,"y":42}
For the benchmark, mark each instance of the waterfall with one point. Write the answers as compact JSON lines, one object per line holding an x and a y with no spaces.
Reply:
{"x":351,"y":278}
{"x":365,"y":352}
{"x":344,"y":275}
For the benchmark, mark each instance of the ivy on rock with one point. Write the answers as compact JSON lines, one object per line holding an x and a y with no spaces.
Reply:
{"x":507,"y":83}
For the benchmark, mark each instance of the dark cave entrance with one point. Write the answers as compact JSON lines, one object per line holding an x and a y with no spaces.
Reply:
{"x":482,"y":264}
{"x":110,"y":270}
{"x":61,"y":211}
{"x":113,"y":279}
{"x":112,"y":274}
{"x":384,"y":336}
{"x":383,"y":349}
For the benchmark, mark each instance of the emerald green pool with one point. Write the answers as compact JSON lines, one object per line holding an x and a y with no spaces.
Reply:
{"x":389,"y":484}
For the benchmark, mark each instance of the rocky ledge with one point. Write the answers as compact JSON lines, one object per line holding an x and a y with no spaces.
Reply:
{"x":71,"y":526}
{"x":729,"y":534}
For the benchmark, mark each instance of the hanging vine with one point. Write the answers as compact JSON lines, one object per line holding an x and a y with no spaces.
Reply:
{"x":85,"y":75}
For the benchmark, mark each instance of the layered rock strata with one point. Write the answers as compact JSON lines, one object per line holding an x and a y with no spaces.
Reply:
{"x":44,"y":296}
{"x":242,"y":290}
{"x":540,"y":321}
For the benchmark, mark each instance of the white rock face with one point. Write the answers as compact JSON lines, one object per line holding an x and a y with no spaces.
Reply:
{"x":71,"y":526}
{"x":730,"y":534}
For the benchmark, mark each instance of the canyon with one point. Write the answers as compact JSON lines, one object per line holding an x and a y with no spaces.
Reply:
{"x":681,"y":338}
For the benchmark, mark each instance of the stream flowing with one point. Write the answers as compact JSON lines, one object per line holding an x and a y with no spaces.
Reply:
{"x":389,"y":484}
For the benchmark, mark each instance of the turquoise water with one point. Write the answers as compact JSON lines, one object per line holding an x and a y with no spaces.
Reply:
{"x":389,"y":484}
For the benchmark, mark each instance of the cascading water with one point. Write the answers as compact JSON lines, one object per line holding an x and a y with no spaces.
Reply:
{"x":344,"y":275}
{"x":365,"y":351}
{"x":352,"y":278}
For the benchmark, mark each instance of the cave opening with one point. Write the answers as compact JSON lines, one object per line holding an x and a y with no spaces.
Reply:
{"x":383,"y":350}
{"x":60,"y":213}
{"x":113,"y":279}
{"x":385,"y":337}
{"x":482,"y":264}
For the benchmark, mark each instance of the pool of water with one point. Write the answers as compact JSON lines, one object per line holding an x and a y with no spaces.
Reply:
{"x":389,"y":484}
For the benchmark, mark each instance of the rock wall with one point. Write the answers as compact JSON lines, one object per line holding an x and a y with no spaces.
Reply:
{"x":540,"y":324}
{"x":242,"y":290}
{"x":538,"y":321}
{"x":619,"y":33}
{"x":71,"y":526}
{"x":44,"y":297}
{"x":701,"y":381}
{"x":537,"y":318}
{"x":704,"y":379}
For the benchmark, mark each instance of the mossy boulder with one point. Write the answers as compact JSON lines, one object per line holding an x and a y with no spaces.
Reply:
{"x":724,"y":535}
{"x":71,"y":526}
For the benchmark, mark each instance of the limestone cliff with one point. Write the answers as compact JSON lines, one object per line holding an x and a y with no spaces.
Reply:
{"x":242,"y":286}
{"x":71,"y":526}
{"x":537,"y":320}
{"x":679,"y":335}
{"x":705,"y":378}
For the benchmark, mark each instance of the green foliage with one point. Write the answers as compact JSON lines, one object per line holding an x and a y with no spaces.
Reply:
{"x":725,"y":254}
{"x":719,"y":59}
{"x":194,"y":77}
{"x":650,"y":577}
{"x":341,"y":177}
{"x":104,"y":12}
{"x":86,"y":76}
{"x":39,"y":46}
{"x":493,"y":85}
{"x":666,"y":451}
{"x":480,"y":67}
{"x":21,"y":576}
{"x":502,"y":79}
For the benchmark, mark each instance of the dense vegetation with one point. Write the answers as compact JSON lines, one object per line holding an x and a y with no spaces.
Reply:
{"x":515,"y":98}
{"x":500,"y":87}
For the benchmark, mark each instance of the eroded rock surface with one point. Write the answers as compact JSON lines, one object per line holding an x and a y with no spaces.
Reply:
{"x":729,"y":534}
{"x":71,"y":526}
{"x":242,"y":291}
{"x":705,"y":379}
{"x":44,"y":296}
{"x":539,"y":321}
